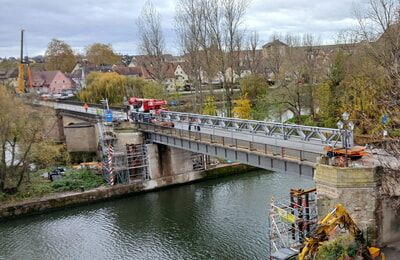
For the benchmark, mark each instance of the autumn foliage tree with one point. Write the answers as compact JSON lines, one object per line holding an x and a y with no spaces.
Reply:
{"x":242,"y":108}
{"x":99,"y":54}
{"x":22,"y":140}
{"x":59,"y":56}
{"x":210,"y":107}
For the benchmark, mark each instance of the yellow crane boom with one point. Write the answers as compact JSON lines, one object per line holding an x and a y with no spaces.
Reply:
{"x":338,"y":217}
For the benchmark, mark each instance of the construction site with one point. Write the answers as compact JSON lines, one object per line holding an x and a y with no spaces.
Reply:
{"x":124,"y":160}
{"x":123,"y":163}
{"x":290,"y":222}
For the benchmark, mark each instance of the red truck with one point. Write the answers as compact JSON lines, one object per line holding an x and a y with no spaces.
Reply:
{"x":154,"y":106}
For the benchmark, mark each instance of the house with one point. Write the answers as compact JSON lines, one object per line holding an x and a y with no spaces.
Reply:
{"x":129,"y":71}
{"x":9,"y":77}
{"x":172,"y":74}
{"x":51,"y":82}
{"x":82,"y":69}
{"x":175,"y":77}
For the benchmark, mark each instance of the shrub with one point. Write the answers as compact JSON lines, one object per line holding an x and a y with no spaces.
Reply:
{"x":337,"y":248}
{"x":73,"y":180}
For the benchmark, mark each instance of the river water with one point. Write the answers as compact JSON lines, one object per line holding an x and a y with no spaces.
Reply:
{"x":224,"y":218}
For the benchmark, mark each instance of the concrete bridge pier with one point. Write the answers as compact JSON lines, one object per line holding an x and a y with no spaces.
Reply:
{"x":167,"y":161}
{"x":358,"y":190}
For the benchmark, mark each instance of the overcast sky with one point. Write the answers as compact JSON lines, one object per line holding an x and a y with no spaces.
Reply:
{"x":81,"y":23}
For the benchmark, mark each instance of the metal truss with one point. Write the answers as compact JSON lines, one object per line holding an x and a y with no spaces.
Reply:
{"x":276,"y":130}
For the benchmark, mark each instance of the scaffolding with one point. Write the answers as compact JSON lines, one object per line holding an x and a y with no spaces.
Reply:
{"x":290,"y":222}
{"x":198,"y":161}
{"x":122,"y":163}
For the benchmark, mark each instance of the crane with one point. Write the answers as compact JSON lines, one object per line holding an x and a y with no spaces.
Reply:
{"x":21,"y":69}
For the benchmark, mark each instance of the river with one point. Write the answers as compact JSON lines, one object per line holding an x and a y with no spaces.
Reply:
{"x":224,"y":218}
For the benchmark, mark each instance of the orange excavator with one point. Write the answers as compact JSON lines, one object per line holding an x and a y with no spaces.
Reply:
{"x":354,"y":153}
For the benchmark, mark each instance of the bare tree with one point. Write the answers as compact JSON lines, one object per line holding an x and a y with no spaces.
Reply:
{"x":274,"y":54}
{"x":312,"y":73}
{"x":226,"y":24}
{"x":152,"y":44}
{"x":252,"y":59}
{"x":192,"y":34}
{"x":211,"y":37}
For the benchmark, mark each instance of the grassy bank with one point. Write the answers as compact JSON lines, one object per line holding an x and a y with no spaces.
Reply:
{"x":36,"y":185}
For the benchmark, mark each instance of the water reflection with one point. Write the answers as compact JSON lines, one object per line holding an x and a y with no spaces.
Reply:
{"x":218,"y":219}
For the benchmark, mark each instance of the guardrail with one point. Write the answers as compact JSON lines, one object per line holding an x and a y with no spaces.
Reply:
{"x":231,"y":143}
{"x":276,"y":130}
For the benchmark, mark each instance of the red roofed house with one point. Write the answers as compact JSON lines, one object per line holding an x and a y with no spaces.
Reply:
{"x":51,"y":82}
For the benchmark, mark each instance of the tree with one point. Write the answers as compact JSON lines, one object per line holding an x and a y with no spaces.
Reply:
{"x":135,"y":87}
{"x":243,"y":107}
{"x":152,"y":43}
{"x":261,"y":108}
{"x":253,"y":57}
{"x":153,"y":90}
{"x":115,"y":87}
{"x":294,"y":92}
{"x":274,"y":53}
{"x":330,"y":95}
{"x":254,"y":85}
{"x":59,"y":56}
{"x":21,"y":131}
{"x":210,"y":107}
{"x":379,"y":31}
{"x":226,"y":23}
{"x":100,"y":86}
{"x":194,"y":38}
{"x":99,"y":54}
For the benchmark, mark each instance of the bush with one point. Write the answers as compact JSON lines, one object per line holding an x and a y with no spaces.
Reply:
{"x":75,"y":179}
{"x":337,"y":248}
{"x":352,"y":249}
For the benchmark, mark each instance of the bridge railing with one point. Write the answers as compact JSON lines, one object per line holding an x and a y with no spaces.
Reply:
{"x":276,"y":130}
{"x":231,"y":142}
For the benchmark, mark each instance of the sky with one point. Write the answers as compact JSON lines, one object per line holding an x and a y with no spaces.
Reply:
{"x":81,"y":23}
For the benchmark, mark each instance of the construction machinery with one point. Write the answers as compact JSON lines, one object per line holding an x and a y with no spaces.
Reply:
{"x":146,"y":105}
{"x":291,"y":221}
{"x":353,"y":153}
{"x":338,"y":217}
{"x":21,"y":69}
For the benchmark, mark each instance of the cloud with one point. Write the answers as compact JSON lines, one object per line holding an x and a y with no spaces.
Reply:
{"x":83,"y":23}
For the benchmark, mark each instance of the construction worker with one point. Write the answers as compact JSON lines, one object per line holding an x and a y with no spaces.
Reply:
{"x":86,"y":106}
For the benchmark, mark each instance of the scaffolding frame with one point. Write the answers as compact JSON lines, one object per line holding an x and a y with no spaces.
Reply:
{"x":291,"y":221}
{"x":122,"y":164}
{"x":198,"y":161}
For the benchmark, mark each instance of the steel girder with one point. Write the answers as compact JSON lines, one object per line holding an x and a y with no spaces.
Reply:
{"x":276,"y":130}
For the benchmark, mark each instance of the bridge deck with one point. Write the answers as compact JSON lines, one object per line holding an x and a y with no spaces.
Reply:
{"x":270,"y":157}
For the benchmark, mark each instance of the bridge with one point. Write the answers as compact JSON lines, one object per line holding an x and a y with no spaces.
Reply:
{"x":284,"y":148}
{"x":272,"y":146}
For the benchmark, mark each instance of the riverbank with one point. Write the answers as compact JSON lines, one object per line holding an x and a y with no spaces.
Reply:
{"x":68,"y":199}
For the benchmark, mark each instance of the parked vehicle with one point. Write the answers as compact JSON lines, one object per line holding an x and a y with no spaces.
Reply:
{"x":154,"y":106}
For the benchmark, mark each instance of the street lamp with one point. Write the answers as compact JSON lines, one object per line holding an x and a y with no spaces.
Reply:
{"x":348,"y":128}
